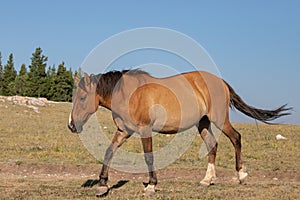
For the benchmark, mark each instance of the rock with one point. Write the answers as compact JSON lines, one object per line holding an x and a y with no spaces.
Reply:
{"x":280,"y":137}
{"x":43,"y":99}
{"x":29,"y":102}
{"x":35,"y":109}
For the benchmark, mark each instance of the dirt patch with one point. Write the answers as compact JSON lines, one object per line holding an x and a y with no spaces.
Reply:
{"x":91,"y":171}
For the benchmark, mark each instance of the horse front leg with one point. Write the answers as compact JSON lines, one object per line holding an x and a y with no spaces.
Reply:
{"x":148,"y":154}
{"x":118,"y":140}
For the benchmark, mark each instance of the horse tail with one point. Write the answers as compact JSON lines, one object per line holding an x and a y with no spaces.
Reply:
{"x":259,"y":114}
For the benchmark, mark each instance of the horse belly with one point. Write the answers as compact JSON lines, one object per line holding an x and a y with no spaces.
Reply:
{"x":175,"y":120}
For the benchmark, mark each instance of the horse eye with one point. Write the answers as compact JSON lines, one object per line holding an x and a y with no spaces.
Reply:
{"x":82,"y":99}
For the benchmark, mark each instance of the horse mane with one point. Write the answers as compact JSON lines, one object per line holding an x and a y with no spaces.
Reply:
{"x":108,"y":82}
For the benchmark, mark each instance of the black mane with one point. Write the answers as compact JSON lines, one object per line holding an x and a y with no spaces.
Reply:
{"x":107,"y":82}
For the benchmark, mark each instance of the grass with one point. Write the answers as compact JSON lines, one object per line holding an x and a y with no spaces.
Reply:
{"x":39,"y":137}
{"x":27,"y":137}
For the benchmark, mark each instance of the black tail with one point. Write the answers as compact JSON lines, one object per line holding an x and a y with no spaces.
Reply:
{"x":259,"y":114}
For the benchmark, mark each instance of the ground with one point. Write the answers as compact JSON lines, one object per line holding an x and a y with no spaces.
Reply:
{"x":41,"y":159}
{"x":60,"y":181}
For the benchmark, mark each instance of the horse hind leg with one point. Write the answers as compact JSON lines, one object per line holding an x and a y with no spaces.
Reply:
{"x":211,"y":145}
{"x":235,"y":138}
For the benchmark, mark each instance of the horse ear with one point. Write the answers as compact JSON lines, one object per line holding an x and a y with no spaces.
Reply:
{"x":76,"y":79}
{"x":87,"y":79}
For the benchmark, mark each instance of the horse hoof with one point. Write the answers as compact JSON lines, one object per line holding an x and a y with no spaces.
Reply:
{"x":101,"y":190}
{"x":242,"y":176}
{"x":205,"y":183}
{"x":213,"y":181}
{"x":149,"y":190}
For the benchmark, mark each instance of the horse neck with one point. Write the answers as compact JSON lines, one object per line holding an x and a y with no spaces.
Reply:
{"x":106,"y":103}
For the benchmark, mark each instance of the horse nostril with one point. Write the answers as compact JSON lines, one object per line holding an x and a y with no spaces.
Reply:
{"x":71,"y":127}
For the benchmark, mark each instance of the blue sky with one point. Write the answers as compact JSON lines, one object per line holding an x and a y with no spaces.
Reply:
{"x":255,"y":44}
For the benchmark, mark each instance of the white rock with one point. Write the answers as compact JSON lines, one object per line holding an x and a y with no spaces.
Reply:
{"x":30,"y":102}
{"x":280,"y":137}
{"x":35,"y":109}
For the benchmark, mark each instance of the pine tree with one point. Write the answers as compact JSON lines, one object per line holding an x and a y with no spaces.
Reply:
{"x":37,"y":74}
{"x":9,"y":76}
{"x":51,"y":75}
{"x":79,"y":73}
{"x":1,"y":75}
{"x":23,"y":70}
{"x":63,"y":84}
{"x":70,"y":82}
{"x":21,"y":81}
{"x":37,"y":82}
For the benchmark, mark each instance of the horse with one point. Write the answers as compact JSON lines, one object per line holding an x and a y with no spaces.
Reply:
{"x":142,"y":104}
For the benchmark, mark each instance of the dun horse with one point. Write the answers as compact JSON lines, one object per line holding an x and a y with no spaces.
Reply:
{"x":141,"y":104}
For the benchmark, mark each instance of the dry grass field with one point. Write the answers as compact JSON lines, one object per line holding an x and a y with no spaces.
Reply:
{"x":41,"y":159}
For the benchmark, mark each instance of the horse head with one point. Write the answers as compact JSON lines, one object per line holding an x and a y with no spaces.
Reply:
{"x":85,"y":102}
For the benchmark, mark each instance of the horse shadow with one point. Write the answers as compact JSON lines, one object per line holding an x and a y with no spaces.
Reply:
{"x":91,"y":183}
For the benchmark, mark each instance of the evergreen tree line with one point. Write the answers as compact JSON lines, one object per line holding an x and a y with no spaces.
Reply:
{"x":36,"y":80}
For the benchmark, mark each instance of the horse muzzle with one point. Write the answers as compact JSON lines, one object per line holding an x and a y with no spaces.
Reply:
{"x":72,"y":128}
{"x":75,"y":128}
